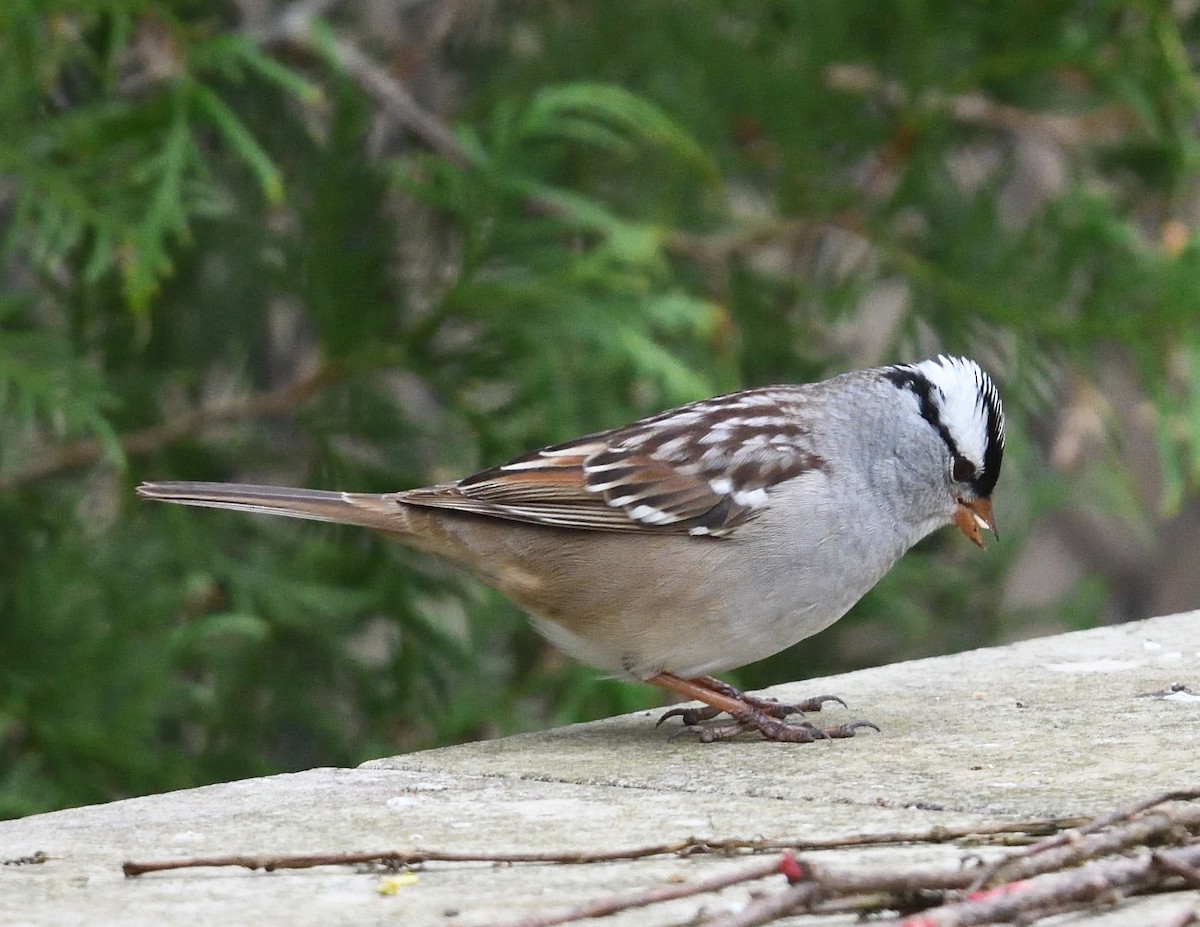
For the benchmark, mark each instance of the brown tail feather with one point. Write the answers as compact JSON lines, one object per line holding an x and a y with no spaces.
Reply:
{"x":382,"y":512}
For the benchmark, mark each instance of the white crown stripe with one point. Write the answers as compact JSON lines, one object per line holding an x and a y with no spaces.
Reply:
{"x":963,"y":392}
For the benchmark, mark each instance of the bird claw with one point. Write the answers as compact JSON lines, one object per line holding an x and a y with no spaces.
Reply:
{"x":816,"y":702}
{"x":766,"y":716}
{"x":847,"y":730}
{"x":803,"y":732}
{"x":691,"y":717}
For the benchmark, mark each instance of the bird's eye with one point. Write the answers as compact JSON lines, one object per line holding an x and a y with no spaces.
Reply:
{"x":963,"y":470}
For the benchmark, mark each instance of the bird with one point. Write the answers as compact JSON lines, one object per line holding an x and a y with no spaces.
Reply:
{"x":705,"y":537}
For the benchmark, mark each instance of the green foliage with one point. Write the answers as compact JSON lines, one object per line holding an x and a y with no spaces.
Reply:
{"x":112,"y":171}
{"x":225,"y":260}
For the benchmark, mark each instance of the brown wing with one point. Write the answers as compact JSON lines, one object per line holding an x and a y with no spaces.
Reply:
{"x":701,"y":469}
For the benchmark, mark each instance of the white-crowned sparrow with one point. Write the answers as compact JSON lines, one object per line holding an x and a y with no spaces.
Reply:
{"x":708,"y":536}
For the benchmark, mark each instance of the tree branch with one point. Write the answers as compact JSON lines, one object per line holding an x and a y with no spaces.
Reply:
{"x":294,"y":27}
{"x":87,"y":451}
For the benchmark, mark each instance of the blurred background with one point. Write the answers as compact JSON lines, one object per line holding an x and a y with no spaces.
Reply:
{"x":375,"y":245}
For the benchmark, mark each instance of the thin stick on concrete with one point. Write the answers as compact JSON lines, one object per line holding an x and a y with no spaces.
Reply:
{"x":1101,"y":860}
{"x":686,"y":847}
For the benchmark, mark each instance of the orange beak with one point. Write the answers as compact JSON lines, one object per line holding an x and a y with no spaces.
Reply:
{"x":975,"y":517}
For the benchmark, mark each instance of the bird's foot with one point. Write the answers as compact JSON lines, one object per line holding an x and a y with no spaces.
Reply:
{"x":768,"y":706}
{"x":749,"y":713}
{"x":801,"y":732}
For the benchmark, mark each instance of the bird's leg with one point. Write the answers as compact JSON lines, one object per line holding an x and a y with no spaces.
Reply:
{"x":771,"y":707}
{"x":748,"y":713}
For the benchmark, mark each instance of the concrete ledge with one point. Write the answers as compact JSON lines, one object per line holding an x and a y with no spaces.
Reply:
{"x":1050,"y":727}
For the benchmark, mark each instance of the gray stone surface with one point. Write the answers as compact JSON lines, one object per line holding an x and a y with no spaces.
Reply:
{"x":1055,"y":726}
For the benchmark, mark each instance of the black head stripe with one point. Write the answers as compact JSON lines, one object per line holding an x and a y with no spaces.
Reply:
{"x":985,"y":478}
{"x":985,"y":482}
{"x":907,"y":378}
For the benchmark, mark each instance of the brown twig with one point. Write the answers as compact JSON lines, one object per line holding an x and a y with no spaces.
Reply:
{"x":686,"y":847}
{"x":1183,"y":918}
{"x":614,"y":904}
{"x":1102,"y":126}
{"x":1140,"y":834}
{"x":409,"y":858}
{"x":1113,"y":817}
{"x":826,"y":890}
{"x":721,"y":247}
{"x":1051,"y":892}
{"x":294,"y":27}
{"x":397,"y":101}
{"x":1059,"y":891}
{"x":87,"y":451}
{"x":295,"y":20}
{"x":1189,"y":873}
{"x":771,"y":907}
{"x":1074,"y":869}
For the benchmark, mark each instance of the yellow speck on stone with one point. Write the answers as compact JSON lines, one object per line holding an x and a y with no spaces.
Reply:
{"x":391,"y":885}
